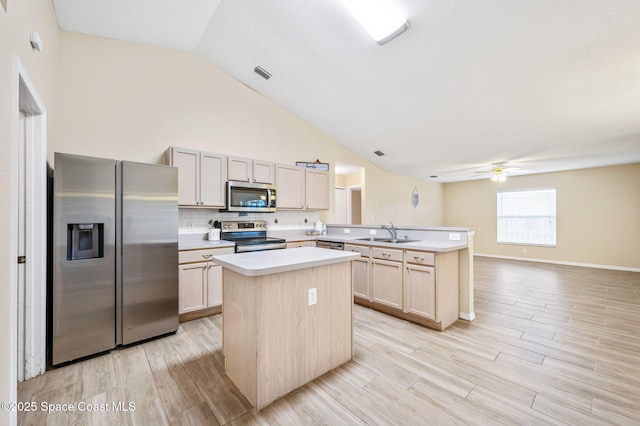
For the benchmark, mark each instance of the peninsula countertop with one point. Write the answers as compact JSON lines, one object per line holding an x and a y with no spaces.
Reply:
{"x":276,"y":261}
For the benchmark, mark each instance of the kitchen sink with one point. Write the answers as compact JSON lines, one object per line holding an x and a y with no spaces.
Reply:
{"x":387,"y":240}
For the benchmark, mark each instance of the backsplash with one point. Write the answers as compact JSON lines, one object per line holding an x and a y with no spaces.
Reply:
{"x":197,"y":220}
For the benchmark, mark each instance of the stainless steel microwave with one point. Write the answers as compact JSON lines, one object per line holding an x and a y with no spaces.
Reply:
{"x":250,"y":197}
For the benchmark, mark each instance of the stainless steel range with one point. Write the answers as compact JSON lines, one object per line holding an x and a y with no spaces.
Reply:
{"x":250,"y":236}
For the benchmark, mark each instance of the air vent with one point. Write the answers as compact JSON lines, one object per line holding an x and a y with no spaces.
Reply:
{"x":262,"y":72}
{"x":379,"y":153}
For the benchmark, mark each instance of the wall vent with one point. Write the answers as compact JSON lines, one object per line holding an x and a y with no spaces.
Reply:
{"x":262,"y":72}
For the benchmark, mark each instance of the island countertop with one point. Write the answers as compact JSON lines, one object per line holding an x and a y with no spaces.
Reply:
{"x":275,"y":261}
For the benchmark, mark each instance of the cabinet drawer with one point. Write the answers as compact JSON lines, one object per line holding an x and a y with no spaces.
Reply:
{"x":191,"y":256}
{"x":364,"y":251}
{"x":387,"y":254}
{"x":298,"y":244}
{"x":421,"y":258}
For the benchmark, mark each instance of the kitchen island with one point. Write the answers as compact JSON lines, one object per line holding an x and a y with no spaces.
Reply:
{"x":287,"y":318}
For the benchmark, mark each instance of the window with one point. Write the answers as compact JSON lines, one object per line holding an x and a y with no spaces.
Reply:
{"x":527,"y":217}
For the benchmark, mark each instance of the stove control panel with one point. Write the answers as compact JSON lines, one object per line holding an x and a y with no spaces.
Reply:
{"x":259,"y":225}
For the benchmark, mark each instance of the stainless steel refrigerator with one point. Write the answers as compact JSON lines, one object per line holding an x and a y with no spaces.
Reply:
{"x":114,"y":254}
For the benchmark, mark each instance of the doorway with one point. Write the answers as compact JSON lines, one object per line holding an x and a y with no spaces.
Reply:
{"x":29,"y":238}
{"x":349,"y":186}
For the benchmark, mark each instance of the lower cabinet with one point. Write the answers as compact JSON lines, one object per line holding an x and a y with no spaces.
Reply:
{"x":360,"y":271}
{"x":386,"y":283}
{"x":420,"y":287}
{"x":200,"y":283}
{"x":298,"y":244}
{"x":414,"y":285}
{"x":360,"y":277}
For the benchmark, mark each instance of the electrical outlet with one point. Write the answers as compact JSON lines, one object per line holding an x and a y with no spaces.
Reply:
{"x":347,"y":230}
{"x":454,"y":237}
{"x":313,"y":296}
{"x":372,"y":232}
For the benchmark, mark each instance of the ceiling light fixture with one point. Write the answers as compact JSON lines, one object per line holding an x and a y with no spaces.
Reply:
{"x":380,"y":18}
{"x":498,"y":175}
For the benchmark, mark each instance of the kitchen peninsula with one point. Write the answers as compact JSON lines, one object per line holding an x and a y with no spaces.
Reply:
{"x":287,"y":318}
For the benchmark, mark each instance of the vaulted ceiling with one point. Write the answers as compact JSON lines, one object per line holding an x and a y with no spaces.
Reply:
{"x":540,"y":85}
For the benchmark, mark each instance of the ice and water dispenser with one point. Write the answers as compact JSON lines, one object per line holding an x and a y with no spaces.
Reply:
{"x":85,"y":241}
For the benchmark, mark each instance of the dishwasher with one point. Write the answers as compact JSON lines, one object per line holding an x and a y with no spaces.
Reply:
{"x":330,"y":245}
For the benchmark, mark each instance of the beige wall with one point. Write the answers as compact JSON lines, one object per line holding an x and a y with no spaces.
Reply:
{"x":597,"y":215}
{"x":129,"y":101}
{"x":20,"y":18}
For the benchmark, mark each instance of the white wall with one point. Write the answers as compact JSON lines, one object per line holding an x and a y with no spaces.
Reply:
{"x":16,"y":22}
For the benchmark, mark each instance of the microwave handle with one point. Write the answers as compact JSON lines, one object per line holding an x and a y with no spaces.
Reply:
{"x":270,"y":191}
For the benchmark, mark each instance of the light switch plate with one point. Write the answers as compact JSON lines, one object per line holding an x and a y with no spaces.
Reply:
{"x":347,"y":230}
{"x":372,"y":232}
{"x":454,"y":237}
{"x":313,"y":296}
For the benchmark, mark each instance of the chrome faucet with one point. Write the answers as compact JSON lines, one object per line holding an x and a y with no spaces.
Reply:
{"x":391,"y":229}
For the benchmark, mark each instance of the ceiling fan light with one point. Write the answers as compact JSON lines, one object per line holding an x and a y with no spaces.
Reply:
{"x":380,"y":18}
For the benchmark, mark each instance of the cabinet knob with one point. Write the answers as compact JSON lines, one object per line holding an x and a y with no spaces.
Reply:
{"x":386,"y":255}
{"x":207,"y":256}
{"x":418,"y":258}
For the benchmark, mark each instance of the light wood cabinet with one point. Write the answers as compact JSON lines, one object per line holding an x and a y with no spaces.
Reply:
{"x":200,"y":283}
{"x":299,"y":244}
{"x":248,"y":170}
{"x":386,"y":283}
{"x":263,"y":172}
{"x":317,"y":192}
{"x":415,"y":285}
{"x":239,"y":169}
{"x":299,"y":188}
{"x":193,"y":287}
{"x":290,"y":190}
{"x":420,"y":291}
{"x":360,"y":271}
{"x":201,"y":177}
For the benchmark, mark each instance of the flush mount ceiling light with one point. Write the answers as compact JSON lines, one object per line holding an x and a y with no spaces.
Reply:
{"x":380,"y":18}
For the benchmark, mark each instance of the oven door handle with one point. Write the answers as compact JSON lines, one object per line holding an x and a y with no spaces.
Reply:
{"x":258,"y":247}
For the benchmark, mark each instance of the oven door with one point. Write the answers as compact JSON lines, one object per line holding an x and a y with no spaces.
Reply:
{"x":250,"y":197}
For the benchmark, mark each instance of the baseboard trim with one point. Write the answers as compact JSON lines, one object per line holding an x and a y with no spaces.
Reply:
{"x":559,"y":262}
{"x":468,"y":316}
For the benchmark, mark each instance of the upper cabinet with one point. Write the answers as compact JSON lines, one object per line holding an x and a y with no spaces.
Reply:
{"x":317,"y":189}
{"x":299,"y":188}
{"x":290,"y":187}
{"x":248,"y":170}
{"x":201,"y":177}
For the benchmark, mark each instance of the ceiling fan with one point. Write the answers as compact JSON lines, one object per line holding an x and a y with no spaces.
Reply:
{"x":500,"y":170}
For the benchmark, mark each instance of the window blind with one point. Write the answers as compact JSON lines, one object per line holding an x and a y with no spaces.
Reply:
{"x":527,"y":217}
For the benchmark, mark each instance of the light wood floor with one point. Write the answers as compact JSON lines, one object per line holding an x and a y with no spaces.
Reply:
{"x":550,"y":345}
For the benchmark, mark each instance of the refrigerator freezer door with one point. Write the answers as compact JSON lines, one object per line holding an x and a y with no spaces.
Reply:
{"x":149,"y":250}
{"x":83,"y":303}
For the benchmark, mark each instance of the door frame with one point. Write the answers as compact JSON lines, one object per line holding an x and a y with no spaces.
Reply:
{"x":350,"y":190}
{"x":26,"y":98}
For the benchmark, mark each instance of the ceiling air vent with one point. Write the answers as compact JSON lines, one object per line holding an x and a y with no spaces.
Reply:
{"x":379,"y":153}
{"x":262,"y":72}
